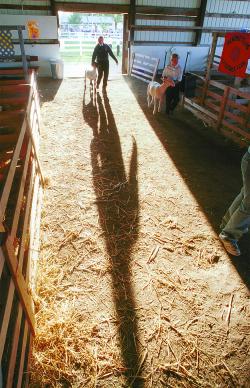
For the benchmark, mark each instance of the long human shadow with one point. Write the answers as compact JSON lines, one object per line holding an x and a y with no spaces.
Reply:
{"x":209,"y":165}
{"x":118,"y":208}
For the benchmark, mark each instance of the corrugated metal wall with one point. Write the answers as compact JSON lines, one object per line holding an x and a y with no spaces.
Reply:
{"x":167,"y":36}
{"x":211,"y":20}
{"x":227,"y":8}
{"x":223,"y":6}
{"x":22,"y":11}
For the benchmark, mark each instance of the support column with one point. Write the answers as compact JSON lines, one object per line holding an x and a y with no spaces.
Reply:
{"x":125,"y":48}
{"x":209,"y":66}
{"x":200,"y":22}
{"x":24,"y":59}
{"x":131,"y":21}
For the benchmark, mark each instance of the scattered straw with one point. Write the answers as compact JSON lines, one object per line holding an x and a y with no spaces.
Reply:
{"x":79,"y":244}
{"x":229,"y":312}
{"x":60,"y":348}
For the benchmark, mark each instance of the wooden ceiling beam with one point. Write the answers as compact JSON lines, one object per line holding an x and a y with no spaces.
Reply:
{"x":53,"y":8}
{"x":26,"y":7}
{"x":164,"y":28}
{"x":179,"y":18}
{"x":165,"y":42}
{"x":177,"y":11}
{"x":91,"y":7}
{"x":131,"y":20}
{"x":181,"y":28}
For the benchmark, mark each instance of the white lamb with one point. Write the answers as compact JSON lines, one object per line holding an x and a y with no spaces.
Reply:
{"x":92,"y":76}
{"x":156,"y":92}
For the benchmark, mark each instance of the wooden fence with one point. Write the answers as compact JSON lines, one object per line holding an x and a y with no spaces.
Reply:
{"x":81,"y":46}
{"x":20,"y":203}
{"x":144,"y":67}
{"x":223,"y":107}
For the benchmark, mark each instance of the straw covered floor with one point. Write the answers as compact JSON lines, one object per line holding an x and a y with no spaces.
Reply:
{"x":133,"y":287}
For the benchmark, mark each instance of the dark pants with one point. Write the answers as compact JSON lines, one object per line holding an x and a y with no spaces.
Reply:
{"x":172,"y":97}
{"x":103,"y":71}
{"x":236,"y":221}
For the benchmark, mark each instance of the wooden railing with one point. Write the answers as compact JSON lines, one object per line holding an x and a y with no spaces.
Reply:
{"x":223,"y":107}
{"x":144,"y":67}
{"x":20,"y":200}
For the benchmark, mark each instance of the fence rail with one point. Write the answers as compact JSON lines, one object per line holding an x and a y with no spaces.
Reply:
{"x":82,"y":46}
{"x":89,"y":35}
{"x":224,"y":108}
{"x":20,"y":201}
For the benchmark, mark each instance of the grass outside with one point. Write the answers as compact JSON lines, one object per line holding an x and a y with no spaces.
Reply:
{"x":70,"y":50}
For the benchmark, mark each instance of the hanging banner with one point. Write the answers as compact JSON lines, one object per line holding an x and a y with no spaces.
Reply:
{"x":33,"y":29}
{"x":235,"y":54}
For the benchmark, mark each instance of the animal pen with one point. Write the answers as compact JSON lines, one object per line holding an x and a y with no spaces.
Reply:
{"x":20,"y":201}
{"x":220,"y":104}
{"x":134,"y":288}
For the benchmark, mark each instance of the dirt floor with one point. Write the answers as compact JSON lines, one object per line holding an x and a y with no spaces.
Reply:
{"x":134,"y":288}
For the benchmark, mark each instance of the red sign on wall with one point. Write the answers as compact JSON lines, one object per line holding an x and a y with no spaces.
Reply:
{"x":235,"y":54}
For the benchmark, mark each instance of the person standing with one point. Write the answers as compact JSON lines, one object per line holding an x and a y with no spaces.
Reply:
{"x":236,"y":221}
{"x":173,"y":71}
{"x":101,"y":57}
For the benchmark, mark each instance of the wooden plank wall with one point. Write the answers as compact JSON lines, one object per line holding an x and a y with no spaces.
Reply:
{"x":20,"y":198}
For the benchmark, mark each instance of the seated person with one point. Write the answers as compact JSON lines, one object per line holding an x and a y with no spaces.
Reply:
{"x":174,"y":72}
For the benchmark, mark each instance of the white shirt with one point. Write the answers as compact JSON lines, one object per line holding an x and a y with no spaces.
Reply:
{"x":173,"y":72}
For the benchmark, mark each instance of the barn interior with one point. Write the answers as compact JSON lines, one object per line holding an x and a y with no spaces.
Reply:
{"x":112,"y":273}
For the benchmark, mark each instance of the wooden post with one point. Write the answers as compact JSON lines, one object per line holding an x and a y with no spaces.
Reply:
{"x":54,"y":11}
{"x":155,"y":69}
{"x":13,"y":355}
{"x":125,"y":49}
{"x":131,"y":20}
{"x":22,"y":356}
{"x":237,"y":82}
{"x":25,"y":65}
{"x":132,"y":63}
{"x":209,"y":66}
{"x":223,"y":106}
{"x":34,"y":149}
{"x":247,"y":115}
{"x":20,"y":285}
{"x":200,"y":22}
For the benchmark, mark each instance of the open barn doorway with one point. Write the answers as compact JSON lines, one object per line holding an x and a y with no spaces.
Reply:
{"x":78,"y":34}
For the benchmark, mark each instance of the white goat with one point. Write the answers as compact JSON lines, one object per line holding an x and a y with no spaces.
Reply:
{"x":92,"y":76}
{"x":156,"y":92}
